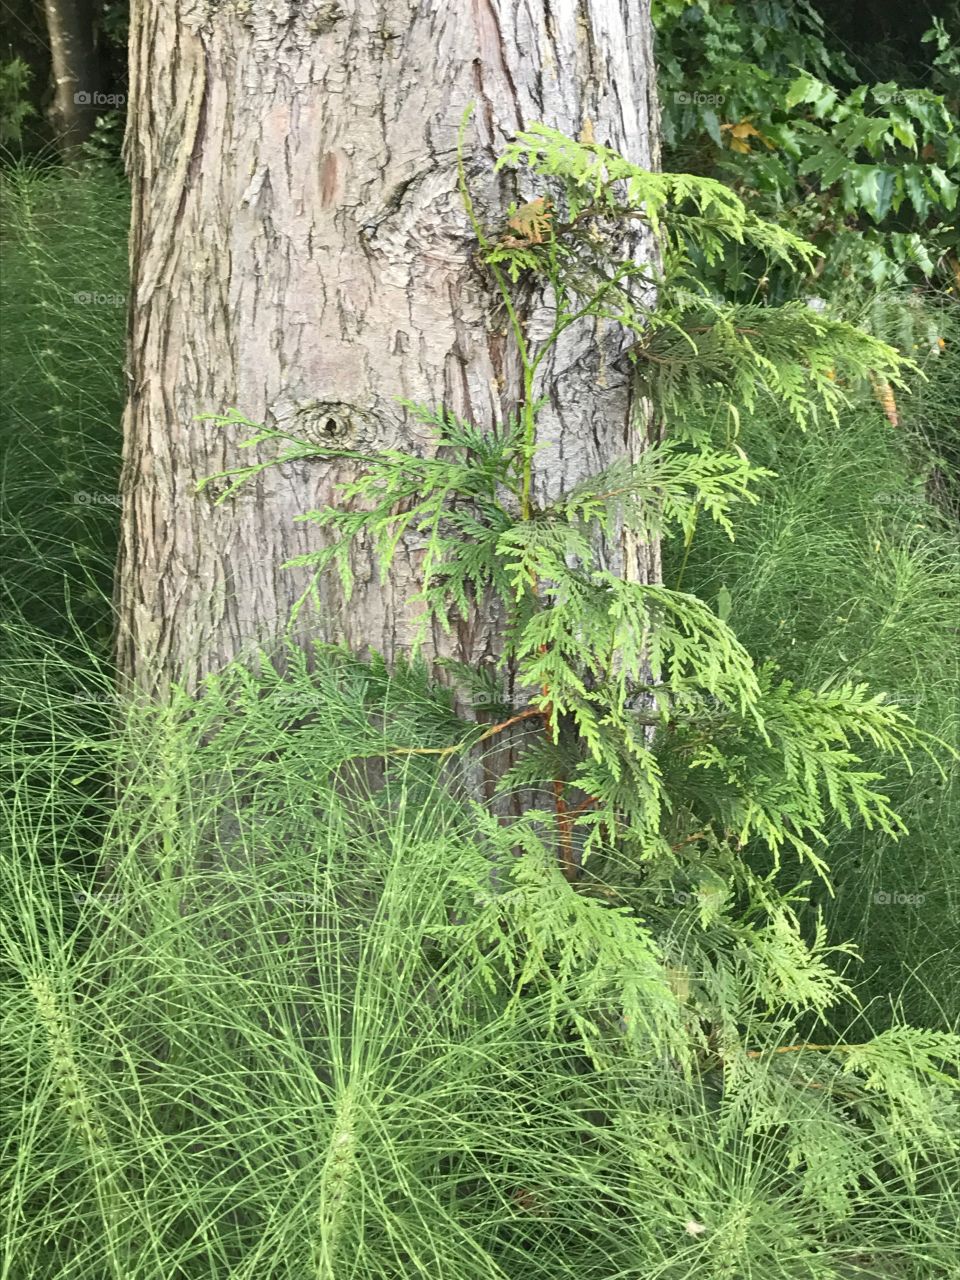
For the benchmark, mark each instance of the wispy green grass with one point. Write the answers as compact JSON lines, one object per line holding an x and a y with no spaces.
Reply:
{"x":63,"y":238}
{"x":256,"y":1042}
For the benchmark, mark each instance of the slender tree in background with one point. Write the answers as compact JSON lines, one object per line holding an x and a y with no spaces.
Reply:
{"x":76,"y":71}
{"x":300,"y":251}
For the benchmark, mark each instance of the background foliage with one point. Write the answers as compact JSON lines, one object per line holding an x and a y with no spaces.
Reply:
{"x":245,"y":1003}
{"x":756,"y":92}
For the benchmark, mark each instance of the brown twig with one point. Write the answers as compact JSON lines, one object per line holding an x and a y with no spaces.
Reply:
{"x":583,"y":806}
{"x":528,"y":714}
{"x":797,"y":1048}
{"x":568,"y":863}
{"x":697,"y":835}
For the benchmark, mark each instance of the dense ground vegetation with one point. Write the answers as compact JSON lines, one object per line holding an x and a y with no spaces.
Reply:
{"x":269,"y":1013}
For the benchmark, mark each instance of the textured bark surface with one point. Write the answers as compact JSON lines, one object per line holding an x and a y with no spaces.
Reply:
{"x":300,"y":252}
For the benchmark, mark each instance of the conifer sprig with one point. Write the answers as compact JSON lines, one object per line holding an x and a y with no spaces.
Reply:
{"x":638,"y":718}
{"x":607,"y":662}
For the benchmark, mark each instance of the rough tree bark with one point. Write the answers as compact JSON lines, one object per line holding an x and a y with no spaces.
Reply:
{"x":299,"y":251}
{"x":76,"y":71}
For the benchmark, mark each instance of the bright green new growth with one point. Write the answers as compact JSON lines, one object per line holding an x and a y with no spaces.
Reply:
{"x":670,"y":758}
{"x":689,"y":344}
{"x":606,"y":660}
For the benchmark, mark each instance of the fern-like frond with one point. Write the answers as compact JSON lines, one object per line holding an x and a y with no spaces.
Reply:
{"x":800,"y":358}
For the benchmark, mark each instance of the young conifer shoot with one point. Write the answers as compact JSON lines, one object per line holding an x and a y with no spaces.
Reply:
{"x":682,"y":775}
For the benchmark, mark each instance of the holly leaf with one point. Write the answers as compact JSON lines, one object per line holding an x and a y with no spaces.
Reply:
{"x":944,"y":187}
{"x":861,"y":131}
{"x":810,"y":91}
{"x":712,"y":125}
{"x":904,"y":133}
{"x":916,"y":192}
{"x":885,"y":185}
{"x":836,"y":165}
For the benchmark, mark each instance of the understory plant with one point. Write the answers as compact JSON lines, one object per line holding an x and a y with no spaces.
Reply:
{"x":292,"y":1029}
{"x":673,"y":773}
{"x":850,"y":570}
{"x":627,"y":678}
{"x":857,"y":160}
{"x":320,"y":1013}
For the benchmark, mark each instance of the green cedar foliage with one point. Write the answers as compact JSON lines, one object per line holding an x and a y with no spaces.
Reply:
{"x":671,"y":758}
{"x":604,"y":659}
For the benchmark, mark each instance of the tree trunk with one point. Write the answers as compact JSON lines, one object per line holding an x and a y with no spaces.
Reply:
{"x":76,"y":71}
{"x":299,"y":251}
